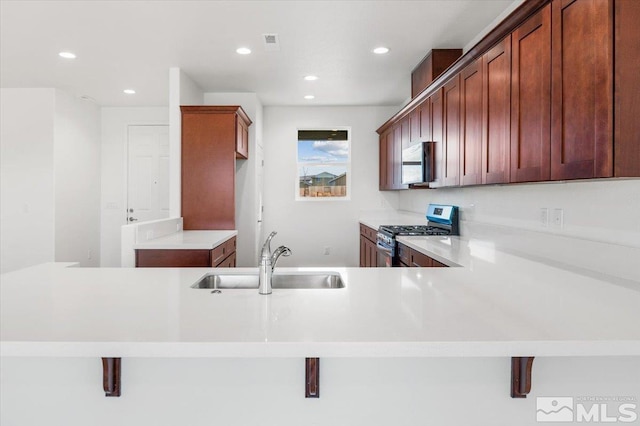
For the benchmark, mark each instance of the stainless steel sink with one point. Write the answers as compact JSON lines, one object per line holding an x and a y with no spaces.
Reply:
{"x":250,"y":281}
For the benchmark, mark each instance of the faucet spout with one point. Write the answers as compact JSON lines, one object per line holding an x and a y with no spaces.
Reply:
{"x":266,"y":247}
{"x":267,"y":263}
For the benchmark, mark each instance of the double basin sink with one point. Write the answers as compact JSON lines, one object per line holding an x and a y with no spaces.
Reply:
{"x":324,"y":280}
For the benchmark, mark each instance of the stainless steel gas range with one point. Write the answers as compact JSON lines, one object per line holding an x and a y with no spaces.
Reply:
{"x":442,"y":220}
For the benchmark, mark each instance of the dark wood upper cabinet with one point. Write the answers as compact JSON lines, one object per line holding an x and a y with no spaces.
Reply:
{"x":496,"y":134}
{"x":431,"y":67}
{"x":582,"y":89}
{"x":437,"y":136}
{"x":387,"y":151}
{"x":425,"y":120}
{"x":551,"y":93}
{"x":471,"y":83}
{"x":400,"y":139}
{"x":209,"y":149}
{"x":405,"y":128}
{"x":242,"y":138}
{"x":414,"y":126}
{"x":451,"y":133}
{"x":531,"y":99}
{"x":627,"y":88}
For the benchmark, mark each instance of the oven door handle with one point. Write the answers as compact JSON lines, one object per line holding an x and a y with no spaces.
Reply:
{"x":383,"y":248}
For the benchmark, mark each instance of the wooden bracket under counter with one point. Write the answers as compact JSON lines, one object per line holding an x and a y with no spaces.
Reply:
{"x":521,"y":376}
{"x":111,"y":376}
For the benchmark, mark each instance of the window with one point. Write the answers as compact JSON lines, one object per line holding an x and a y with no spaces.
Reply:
{"x":324,"y":163}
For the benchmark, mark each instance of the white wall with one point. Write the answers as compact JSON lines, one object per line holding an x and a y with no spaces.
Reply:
{"x":248,"y":185}
{"x":602,"y":210}
{"x":307,"y":227}
{"x":27,"y":219}
{"x":50,"y":179}
{"x":77,"y":180}
{"x":182,"y":91}
{"x":115,"y":124}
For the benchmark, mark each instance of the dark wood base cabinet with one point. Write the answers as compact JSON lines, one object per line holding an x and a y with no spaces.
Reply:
{"x":368,"y":250}
{"x":222,"y":256}
{"x":413,"y":258}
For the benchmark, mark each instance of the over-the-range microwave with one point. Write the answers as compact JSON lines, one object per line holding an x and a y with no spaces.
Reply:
{"x":418,"y":163}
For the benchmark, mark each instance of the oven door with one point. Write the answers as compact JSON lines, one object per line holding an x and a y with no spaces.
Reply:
{"x":384,"y":255}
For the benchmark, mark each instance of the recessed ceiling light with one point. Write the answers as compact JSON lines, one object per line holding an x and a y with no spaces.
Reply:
{"x":309,"y":97}
{"x":243,"y":50}
{"x":67,"y":55}
{"x":311,"y":77}
{"x":129,"y":91}
{"x":380,"y":50}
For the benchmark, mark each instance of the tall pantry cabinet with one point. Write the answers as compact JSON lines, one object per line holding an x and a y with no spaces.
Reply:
{"x":212,"y":138}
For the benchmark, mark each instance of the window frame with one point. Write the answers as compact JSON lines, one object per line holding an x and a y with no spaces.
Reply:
{"x":347,"y":163}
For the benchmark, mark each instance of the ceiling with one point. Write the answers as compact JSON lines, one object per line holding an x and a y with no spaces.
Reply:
{"x":132,"y":44}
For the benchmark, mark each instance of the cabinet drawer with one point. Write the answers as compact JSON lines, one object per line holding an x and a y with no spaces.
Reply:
{"x":222,"y":251}
{"x":369,"y":233}
{"x":229,"y":262}
{"x":173,"y":258}
{"x":437,"y":264}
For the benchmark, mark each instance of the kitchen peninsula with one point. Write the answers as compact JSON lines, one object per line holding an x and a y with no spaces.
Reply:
{"x":407,"y":333}
{"x":495,"y":304}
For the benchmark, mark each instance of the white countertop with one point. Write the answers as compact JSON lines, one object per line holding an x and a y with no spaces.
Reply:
{"x":497,"y":304}
{"x":191,"y":240}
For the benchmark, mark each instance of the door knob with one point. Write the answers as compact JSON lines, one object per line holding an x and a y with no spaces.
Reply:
{"x":131,"y":210}
{"x":132,"y":219}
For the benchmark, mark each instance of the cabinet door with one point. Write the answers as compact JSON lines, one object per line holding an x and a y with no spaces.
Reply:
{"x":405,"y":127}
{"x":496,"y":64}
{"x":395,"y":172}
{"x":471,"y":122}
{"x":451,"y":133}
{"x":414,"y":125}
{"x":404,"y":254}
{"x":242,"y":139}
{"x":383,"y":159}
{"x":437,"y":136}
{"x":208,"y":170}
{"x":531,"y":99}
{"x":374,"y":255}
{"x":582,"y":91}
{"x":424,"y":112}
{"x":420,"y":260}
{"x":363,"y":251}
{"x":627,"y":88}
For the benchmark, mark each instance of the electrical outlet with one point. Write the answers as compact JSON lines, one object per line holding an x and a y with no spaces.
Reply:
{"x":544,"y":217}
{"x":558,"y":218}
{"x":327,"y":251}
{"x":89,"y":254}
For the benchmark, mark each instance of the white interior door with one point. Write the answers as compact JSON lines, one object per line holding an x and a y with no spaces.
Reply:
{"x":148,"y":173}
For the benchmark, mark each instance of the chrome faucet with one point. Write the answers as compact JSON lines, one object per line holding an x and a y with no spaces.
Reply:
{"x":267,"y":263}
